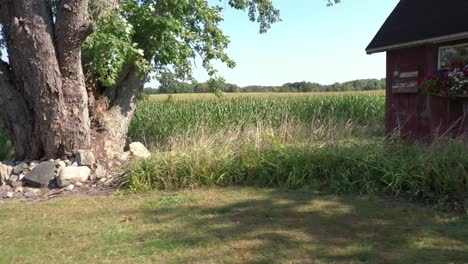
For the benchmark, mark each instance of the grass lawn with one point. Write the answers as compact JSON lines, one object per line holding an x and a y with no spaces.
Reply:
{"x":233,"y":225}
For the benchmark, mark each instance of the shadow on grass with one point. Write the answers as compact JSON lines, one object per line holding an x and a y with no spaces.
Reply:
{"x":284,"y":226}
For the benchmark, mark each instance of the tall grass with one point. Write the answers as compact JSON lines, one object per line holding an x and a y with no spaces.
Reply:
{"x":434,"y":174}
{"x":332,"y":143}
{"x":157,"y":121}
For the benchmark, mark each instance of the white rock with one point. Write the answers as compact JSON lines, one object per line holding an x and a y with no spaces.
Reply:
{"x":20,"y":168}
{"x":70,"y":187}
{"x":9,"y":195}
{"x":32,"y":193}
{"x":42,"y":175}
{"x":79,"y":184}
{"x":72,"y":175}
{"x":5,"y":188}
{"x":61,"y":164}
{"x":33,"y":164}
{"x":85,"y":158}
{"x":74,"y":164}
{"x":139,"y":150}
{"x":19,"y":189}
{"x":21,"y":176}
{"x":5,"y":172}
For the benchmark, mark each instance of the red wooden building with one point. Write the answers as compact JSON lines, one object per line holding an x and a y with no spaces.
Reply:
{"x":422,"y":37}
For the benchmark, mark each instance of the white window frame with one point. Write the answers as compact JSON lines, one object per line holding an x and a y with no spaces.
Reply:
{"x":444,"y":47}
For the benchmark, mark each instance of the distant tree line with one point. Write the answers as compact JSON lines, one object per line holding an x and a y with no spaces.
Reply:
{"x":170,"y":85}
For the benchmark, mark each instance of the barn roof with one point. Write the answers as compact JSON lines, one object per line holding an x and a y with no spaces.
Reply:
{"x":418,"y":22}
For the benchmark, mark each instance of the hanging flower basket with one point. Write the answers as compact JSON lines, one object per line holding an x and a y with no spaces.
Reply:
{"x":450,"y":83}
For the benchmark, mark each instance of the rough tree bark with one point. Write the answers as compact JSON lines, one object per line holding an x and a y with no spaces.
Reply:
{"x":28,"y":30}
{"x":44,"y":102}
{"x":110,"y":127}
{"x":73,"y":25}
{"x":13,"y":110}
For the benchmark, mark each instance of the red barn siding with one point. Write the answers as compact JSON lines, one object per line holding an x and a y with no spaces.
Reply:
{"x":402,"y":108}
{"x":418,"y":116}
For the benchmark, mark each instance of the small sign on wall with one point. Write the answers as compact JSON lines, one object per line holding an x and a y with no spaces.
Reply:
{"x":403,"y":84}
{"x":406,"y":81}
{"x":411,"y":74}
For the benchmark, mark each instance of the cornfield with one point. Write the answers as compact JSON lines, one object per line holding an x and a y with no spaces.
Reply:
{"x":157,"y":120}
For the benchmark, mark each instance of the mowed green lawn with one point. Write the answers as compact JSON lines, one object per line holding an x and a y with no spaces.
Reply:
{"x":230,"y":225}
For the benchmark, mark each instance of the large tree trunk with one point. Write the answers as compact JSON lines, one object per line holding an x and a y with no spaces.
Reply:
{"x":73,"y":25}
{"x":28,"y":30}
{"x":110,"y":126}
{"x":44,"y":102}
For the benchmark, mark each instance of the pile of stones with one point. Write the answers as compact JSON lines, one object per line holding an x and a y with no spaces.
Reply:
{"x":28,"y":179}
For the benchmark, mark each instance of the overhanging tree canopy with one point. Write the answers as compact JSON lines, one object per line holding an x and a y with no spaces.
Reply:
{"x":76,"y":69}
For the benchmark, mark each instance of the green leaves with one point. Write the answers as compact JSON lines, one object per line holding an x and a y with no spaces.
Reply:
{"x":332,"y":2}
{"x":111,"y":46}
{"x":261,"y":11}
{"x":174,"y":32}
{"x":165,"y":35}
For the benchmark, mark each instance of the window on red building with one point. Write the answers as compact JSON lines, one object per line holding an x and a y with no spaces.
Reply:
{"x":449,"y":54}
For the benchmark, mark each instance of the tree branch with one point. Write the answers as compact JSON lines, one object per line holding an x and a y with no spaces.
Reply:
{"x":73,"y":25}
{"x":86,"y":30}
{"x":111,"y":134}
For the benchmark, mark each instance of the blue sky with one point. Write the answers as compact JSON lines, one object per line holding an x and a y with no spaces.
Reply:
{"x":313,"y":43}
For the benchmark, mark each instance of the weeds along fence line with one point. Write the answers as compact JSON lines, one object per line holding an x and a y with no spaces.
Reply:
{"x":156,"y":121}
